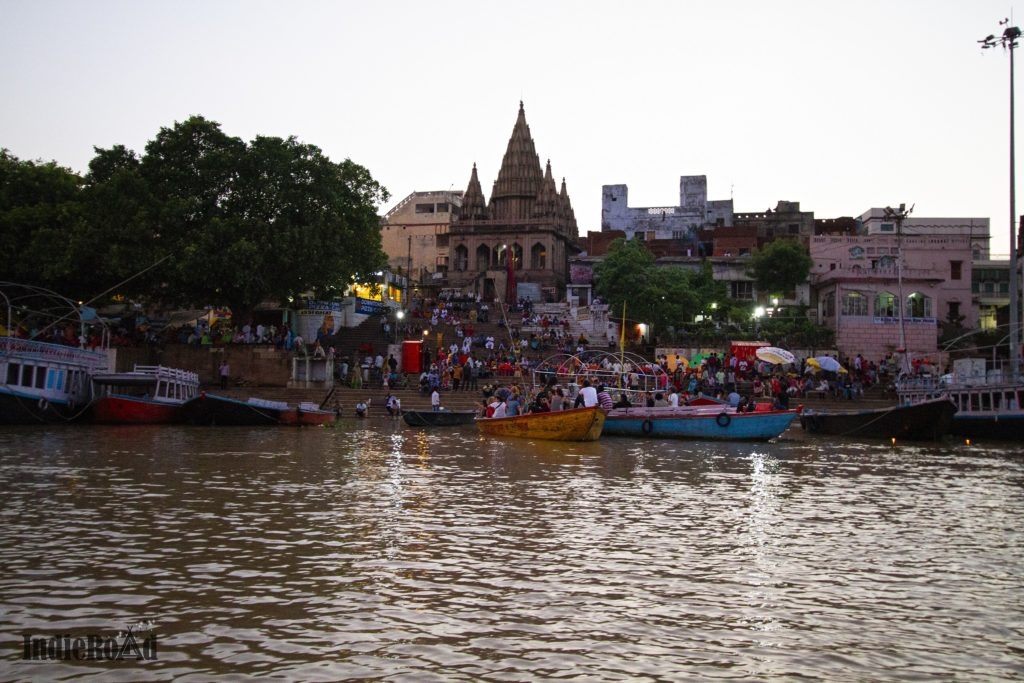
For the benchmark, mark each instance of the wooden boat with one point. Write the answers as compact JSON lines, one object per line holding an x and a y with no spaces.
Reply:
{"x":576,"y":424}
{"x":706,"y":421}
{"x":307,"y":414}
{"x":439,"y":418}
{"x":988,"y":408}
{"x":925,"y":421}
{"x":211,"y":409}
{"x":149,"y":394}
{"x":42,"y":382}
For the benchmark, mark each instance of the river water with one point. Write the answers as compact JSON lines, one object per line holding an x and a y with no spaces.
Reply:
{"x":377,"y":551}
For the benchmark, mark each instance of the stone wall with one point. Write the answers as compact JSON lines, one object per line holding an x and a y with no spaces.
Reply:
{"x":250,"y":364}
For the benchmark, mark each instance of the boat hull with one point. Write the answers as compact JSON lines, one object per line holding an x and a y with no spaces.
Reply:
{"x":131,"y":410}
{"x":1007,"y":427}
{"x":307,"y":417}
{"x":683,"y":423}
{"x":577,"y":424}
{"x":926,"y":421}
{"x":24,"y":409}
{"x":439,"y":418}
{"x":210,"y":409}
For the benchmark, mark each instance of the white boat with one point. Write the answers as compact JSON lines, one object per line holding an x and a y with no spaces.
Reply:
{"x":42,"y":382}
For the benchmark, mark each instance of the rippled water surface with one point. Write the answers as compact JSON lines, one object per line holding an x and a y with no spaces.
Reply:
{"x":376,"y":551}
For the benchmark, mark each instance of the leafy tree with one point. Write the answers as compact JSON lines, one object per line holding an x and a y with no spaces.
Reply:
{"x":39,"y":208}
{"x":780,"y":266}
{"x":237,"y":223}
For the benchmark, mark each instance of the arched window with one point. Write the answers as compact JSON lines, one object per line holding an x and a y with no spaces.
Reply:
{"x":885,"y":305}
{"x":855,"y":303}
{"x":461,"y":257}
{"x":517,"y":254}
{"x":538,"y":257}
{"x":483,"y":257}
{"x":919,"y":305}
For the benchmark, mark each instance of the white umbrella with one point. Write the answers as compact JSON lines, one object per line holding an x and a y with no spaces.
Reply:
{"x":828,"y":363}
{"x":775,"y":355}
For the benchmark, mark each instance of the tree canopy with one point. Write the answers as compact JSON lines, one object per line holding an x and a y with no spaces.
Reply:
{"x":779,"y":266}
{"x":228,"y":223}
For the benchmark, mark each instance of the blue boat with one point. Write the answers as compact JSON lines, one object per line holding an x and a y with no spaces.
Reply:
{"x":698,"y":422}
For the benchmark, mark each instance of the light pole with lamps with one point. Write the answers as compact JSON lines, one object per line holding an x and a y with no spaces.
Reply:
{"x":1008,"y":40}
{"x":399,"y":315}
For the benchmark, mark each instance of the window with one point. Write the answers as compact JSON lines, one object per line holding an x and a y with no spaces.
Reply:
{"x":739,"y":289}
{"x":855,"y":303}
{"x":886,"y":227}
{"x":955,"y":270}
{"x":954,"y":310}
{"x":885,"y":305}
{"x":441,"y":207}
{"x":538,"y":257}
{"x":461,"y":258}
{"x":919,"y":305}
{"x":483,"y":257}
{"x":828,"y":305}
{"x":424,"y":208}
{"x":13,"y":371}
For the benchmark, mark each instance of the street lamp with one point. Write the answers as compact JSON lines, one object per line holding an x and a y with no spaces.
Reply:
{"x":1009,"y":41}
{"x":399,"y":315}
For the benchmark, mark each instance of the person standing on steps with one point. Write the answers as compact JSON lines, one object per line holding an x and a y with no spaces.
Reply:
{"x":225,"y":374}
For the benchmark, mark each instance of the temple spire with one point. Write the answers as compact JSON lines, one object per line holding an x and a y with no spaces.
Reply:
{"x":474,"y":206}
{"x":568,"y":215}
{"x":519,"y":180}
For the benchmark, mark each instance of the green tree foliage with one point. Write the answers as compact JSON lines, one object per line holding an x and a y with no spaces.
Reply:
{"x":226,"y":222}
{"x":666,"y":297}
{"x":39,"y":208}
{"x":780,"y":266}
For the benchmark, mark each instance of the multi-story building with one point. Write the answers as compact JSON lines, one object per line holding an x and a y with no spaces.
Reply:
{"x":527,"y":219}
{"x":414,"y":235}
{"x":858,"y":284}
{"x":680,"y":223}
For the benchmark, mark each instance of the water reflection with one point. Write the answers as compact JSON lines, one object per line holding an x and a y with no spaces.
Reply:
{"x":375,"y":550}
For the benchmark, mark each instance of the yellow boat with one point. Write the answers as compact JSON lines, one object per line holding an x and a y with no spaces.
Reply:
{"x":576,"y":424}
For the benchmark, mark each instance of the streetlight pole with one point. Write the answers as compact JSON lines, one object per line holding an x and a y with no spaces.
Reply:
{"x":1009,"y":42}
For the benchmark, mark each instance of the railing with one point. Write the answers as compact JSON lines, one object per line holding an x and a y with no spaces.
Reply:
{"x":57,"y":352}
{"x":168,"y":374}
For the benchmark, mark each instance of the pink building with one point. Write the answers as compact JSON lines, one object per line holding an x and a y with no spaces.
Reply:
{"x":856,"y":284}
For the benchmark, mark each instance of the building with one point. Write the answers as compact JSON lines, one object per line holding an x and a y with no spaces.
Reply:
{"x":527,"y":220}
{"x":877,"y":222}
{"x":680,"y":223}
{"x":414,"y":235}
{"x":857,"y":286}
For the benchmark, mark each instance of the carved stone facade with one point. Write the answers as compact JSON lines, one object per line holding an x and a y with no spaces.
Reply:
{"x":526,"y":216}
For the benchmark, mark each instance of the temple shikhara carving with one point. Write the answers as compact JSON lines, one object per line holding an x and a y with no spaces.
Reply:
{"x":518,"y":243}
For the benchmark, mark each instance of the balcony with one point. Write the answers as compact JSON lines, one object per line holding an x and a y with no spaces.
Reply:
{"x":880,"y":275}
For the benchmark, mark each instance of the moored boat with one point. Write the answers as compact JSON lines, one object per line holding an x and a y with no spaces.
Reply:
{"x":698,"y":422}
{"x":42,"y":382}
{"x":149,"y":394}
{"x":439,"y":418}
{"x":575,"y":424}
{"x":307,"y":414}
{"x":211,"y":409}
{"x":928,"y":420}
{"x":989,"y":404}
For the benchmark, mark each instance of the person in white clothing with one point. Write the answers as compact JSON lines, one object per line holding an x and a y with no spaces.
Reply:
{"x":587,"y":396}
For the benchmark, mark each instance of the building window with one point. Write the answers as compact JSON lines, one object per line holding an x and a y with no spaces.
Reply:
{"x":461,"y":258}
{"x":886,"y":227}
{"x":739,"y":289}
{"x":885,"y":305}
{"x":955,"y":270}
{"x":919,"y":305}
{"x":954,"y":310}
{"x":441,"y":207}
{"x":855,"y":303}
{"x":483,"y":257}
{"x":424,"y":208}
{"x":538,"y":257}
{"x":828,"y":305}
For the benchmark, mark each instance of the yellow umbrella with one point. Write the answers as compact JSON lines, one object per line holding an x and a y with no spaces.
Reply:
{"x":813,"y":362}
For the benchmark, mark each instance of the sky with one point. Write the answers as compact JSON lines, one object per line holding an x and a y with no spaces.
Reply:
{"x":840,"y":106}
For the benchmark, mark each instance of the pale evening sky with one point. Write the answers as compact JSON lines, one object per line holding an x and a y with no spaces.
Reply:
{"x":840,"y":106}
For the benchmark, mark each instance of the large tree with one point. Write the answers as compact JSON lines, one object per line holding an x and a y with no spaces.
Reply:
{"x":780,"y":266}
{"x":240,"y":223}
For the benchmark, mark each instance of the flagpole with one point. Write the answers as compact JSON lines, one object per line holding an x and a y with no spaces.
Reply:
{"x":622,"y":344}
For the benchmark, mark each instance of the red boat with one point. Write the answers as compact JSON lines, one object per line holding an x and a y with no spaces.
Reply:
{"x":307,"y":414}
{"x":149,"y":394}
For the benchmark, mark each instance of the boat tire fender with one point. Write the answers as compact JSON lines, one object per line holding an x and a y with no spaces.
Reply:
{"x":647,"y":427}
{"x":43,"y":405}
{"x":723,"y":419}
